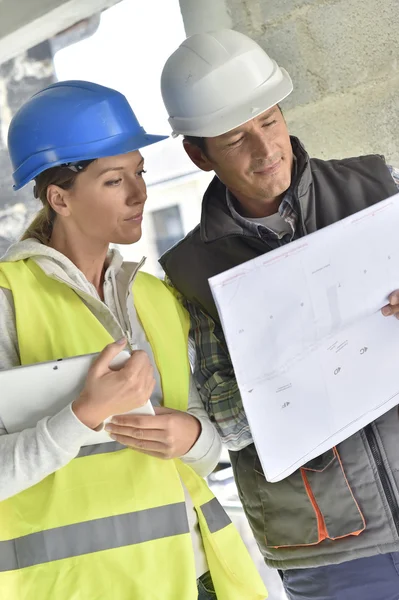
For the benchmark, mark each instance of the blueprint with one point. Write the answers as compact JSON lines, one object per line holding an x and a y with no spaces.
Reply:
{"x":314,"y":358}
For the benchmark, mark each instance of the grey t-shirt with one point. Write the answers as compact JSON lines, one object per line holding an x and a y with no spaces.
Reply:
{"x":275,"y":223}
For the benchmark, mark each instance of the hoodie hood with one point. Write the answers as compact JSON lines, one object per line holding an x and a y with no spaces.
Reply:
{"x":56,"y":264}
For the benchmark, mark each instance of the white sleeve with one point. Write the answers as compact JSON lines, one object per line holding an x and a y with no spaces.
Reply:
{"x":29,"y":456}
{"x":204,"y":455}
{"x":9,"y":352}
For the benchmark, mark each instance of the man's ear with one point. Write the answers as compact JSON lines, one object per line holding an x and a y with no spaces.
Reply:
{"x":197,"y":156}
{"x":56,"y":199}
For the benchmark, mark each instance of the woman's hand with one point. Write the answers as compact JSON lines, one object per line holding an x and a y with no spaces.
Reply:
{"x":168,"y":434}
{"x":108,"y":392}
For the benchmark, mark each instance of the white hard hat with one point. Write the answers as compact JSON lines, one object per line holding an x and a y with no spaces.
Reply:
{"x":217,"y":81}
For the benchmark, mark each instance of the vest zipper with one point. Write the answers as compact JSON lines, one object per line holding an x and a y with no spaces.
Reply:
{"x":383,"y":475}
{"x":129,"y":333}
{"x":130,"y":343}
{"x":124,"y":323}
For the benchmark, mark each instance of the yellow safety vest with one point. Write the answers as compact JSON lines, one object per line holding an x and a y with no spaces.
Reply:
{"x":112,"y":523}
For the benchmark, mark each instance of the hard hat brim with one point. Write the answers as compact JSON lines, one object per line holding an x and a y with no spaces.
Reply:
{"x":230,"y":118}
{"x":52,"y":157}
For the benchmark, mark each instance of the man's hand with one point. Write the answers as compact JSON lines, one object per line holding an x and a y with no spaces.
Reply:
{"x":393,"y":307}
{"x":170,"y":434}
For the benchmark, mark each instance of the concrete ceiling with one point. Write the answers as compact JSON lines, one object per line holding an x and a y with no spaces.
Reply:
{"x":26,"y":23}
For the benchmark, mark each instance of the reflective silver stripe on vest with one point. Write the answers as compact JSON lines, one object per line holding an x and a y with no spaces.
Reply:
{"x":94,"y":536}
{"x":215,"y":516}
{"x":100,"y":449}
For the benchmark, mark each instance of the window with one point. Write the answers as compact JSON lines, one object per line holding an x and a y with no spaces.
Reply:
{"x":168,"y":228}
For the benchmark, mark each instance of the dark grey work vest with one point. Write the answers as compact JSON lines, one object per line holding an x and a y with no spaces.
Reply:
{"x":326,"y":191}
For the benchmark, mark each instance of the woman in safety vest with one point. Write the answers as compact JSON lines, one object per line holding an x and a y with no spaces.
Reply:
{"x":111,"y":520}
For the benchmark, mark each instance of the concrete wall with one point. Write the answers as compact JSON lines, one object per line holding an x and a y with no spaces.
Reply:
{"x":20,"y":78}
{"x":343,"y":56}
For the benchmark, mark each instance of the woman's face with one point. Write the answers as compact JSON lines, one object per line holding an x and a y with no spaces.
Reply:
{"x":107,"y":200}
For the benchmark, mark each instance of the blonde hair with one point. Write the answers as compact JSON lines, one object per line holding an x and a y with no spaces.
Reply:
{"x":41,"y":228}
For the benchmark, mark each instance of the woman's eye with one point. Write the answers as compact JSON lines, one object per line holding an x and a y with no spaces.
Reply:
{"x":113,"y":182}
{"x":141,"y":173}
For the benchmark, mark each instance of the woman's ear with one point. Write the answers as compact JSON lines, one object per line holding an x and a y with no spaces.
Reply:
{"x":56,"y":197}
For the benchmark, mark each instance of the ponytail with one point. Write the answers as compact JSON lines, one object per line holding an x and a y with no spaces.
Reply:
{"x":41,"y":227}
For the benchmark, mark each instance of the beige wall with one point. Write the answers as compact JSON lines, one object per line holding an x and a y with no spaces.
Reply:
{"x":186,"y":193}
{"x":343,"y":56}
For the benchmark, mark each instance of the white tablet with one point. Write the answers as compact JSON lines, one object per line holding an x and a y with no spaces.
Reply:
{"x":30,"y":393}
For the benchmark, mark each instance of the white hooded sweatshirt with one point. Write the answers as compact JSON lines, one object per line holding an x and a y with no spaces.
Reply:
{"x":31,"y":455}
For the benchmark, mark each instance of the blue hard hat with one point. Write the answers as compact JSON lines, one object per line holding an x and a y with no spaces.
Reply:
{"x":69,"y":122}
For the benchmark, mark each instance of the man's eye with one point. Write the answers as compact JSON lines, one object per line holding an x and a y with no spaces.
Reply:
{"x":236,"y":142}
{"x":269,"y":123}
{"x":113,"y":182}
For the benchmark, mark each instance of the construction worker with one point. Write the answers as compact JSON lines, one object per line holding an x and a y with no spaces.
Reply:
{"x":331,"y":528}
{"x":132,"y":518}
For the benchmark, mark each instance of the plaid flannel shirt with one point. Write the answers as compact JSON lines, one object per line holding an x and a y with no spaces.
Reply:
{"x":212,"y":366}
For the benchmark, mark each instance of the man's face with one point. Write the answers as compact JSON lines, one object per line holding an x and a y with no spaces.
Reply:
{"x":254,"y":161}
